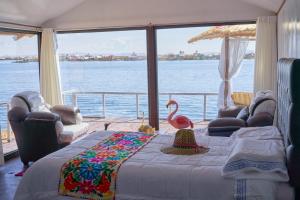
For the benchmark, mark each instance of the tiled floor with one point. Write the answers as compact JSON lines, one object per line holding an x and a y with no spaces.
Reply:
{"x":116,"y":125}
{"x":8,"y":180}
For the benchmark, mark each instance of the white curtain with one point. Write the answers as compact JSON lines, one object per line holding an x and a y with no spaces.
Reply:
{"x":236,"y":52}
{"x":266,"y":54}
{"x":50,"y":85}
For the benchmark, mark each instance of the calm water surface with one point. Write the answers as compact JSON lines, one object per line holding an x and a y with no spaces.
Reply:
{"x":127,"y":76}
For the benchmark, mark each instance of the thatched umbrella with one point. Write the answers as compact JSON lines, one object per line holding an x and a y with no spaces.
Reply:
{"x":226,"y":32}
{"x":235,"y":31}
{"x":17,"y":36}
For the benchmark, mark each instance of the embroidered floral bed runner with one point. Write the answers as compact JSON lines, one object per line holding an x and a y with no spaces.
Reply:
{"x":92,"y":174}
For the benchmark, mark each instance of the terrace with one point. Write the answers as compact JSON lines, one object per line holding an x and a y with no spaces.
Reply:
{"x":97,"y":124}
{"x":117,"y":123}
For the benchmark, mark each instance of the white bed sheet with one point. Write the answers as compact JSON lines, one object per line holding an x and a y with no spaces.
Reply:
{"x":149,"y":174}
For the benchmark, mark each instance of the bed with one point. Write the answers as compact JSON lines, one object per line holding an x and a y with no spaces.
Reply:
{"x":150,"y":174}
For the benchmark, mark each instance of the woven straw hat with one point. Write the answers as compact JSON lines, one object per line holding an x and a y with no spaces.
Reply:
{"x":184,"y":144}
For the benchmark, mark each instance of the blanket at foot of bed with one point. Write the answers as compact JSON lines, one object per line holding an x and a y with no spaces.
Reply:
{"x":92,"y":173}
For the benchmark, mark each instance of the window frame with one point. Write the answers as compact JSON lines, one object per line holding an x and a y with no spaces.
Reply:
{"x":152,"y":71}
{"x":39,"y":39}
{"x":152,"y":58}
{"x":15,"y":153}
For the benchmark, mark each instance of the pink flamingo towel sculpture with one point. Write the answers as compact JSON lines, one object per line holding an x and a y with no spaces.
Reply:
{"x":178,"y":121}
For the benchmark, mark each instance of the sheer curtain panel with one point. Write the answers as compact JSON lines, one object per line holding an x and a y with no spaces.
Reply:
{"x":266,"y":54}
{"x":50,"y":82}
{"x":232,"y":54}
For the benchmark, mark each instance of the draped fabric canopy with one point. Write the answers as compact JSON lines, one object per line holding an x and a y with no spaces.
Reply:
{"x":236,"y":52}
{"x":88,"y":14}
{"x":234,"y":47}
{"x":50,"y":82}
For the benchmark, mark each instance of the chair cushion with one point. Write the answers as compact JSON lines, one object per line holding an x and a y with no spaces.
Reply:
{"x":260,"y":119}
{"x":262,"y":100}
{"x":33,"y":100}
{"x":69,"y":114}
{"x":71,"y":132}
{"x":18,"y":102}
{"x":59,"y":128}
{"x":42,"y":116}
{"x":243,"y":114}
{"x":232,"y":111}
{"x":227,"y":132}
{"x":267,"y":106}
{"x":227,"y":121}
{"x":225,"y":126}
{"x":17,"y":114}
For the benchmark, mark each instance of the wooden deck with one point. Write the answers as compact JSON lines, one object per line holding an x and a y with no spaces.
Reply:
{"x":8,"y":145}
{"x":97,"y":124}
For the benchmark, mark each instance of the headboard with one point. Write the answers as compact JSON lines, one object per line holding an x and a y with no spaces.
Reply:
{"x":288,"y":115}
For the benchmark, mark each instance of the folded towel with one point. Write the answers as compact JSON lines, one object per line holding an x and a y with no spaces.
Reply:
{"x":256,"y":159}
{"x":258,"y":133}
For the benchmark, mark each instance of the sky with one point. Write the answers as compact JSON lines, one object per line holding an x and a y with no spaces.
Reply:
{"x":22,"y":47}
{"x":118,"y":43}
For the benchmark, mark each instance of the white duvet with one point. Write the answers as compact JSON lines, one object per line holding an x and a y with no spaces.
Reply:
{"x":256,"y":163}
{"x":149,"y":174}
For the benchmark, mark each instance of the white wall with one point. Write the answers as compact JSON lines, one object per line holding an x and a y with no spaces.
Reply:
{"x":116,"y":13}
{"x":289,"y":30}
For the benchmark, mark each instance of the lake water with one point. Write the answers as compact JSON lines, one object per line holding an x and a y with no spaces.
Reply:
{"x":195,"y":76}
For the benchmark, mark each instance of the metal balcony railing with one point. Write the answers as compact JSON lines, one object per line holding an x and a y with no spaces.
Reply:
{"x":105,"y":95}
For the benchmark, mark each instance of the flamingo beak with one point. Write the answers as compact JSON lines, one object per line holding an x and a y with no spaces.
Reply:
{"x":168,"y":104}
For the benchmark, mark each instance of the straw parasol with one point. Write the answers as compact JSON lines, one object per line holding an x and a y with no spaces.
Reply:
{"x":247,"y":31}
{"x":17,"y":36}
{"x":235,"y":31}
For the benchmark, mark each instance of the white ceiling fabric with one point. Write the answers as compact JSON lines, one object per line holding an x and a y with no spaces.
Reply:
{"x":34,"y":12}
{"x":77,"y":14}
{"x":272,"y":5}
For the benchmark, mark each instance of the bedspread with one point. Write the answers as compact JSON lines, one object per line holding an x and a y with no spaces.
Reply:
{"x":147,"y":175}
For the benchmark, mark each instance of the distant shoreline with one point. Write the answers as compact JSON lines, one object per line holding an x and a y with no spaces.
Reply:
{"x":132,"y":57}
{"x":92,"y":60}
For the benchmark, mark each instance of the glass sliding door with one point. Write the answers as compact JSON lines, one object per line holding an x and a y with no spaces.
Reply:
{"x":19,"y":71}
{"x":105,"y":75}
{"x":188,"y":74}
